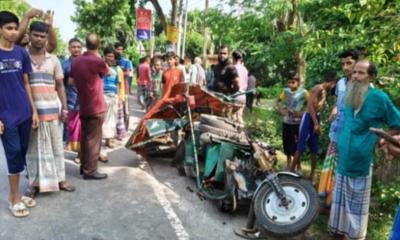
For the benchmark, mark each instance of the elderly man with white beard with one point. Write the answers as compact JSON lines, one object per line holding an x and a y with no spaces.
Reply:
{"x":366,"y":107}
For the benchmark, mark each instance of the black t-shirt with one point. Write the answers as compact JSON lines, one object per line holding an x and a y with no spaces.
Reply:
{"x":224,"y":77}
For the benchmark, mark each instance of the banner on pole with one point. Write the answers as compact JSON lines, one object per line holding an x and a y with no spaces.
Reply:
{"x":172,"y":33}
{"x":143,"y":24}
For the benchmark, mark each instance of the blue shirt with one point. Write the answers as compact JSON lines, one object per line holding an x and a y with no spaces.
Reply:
{"x":15,"y":106}
{"x":337,"y":124}
{"x":125,"y":64}
{"x":111,"y":82}
{"x":70,"y":91}
{"x":356,"y":143}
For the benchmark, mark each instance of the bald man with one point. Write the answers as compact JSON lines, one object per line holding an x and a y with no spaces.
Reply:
{"x":365,"y":107}
{"x":86,"y":73}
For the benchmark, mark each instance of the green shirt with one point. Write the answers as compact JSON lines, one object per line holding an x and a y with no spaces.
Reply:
{"x":356,"y":143}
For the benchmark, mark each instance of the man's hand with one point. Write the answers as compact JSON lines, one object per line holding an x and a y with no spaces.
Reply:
{"x":35,"y":120}
{"x":1,"y":128}
{"x":64,"y":115}
{"x":333,"y":114}
{"x":317,"y":129}
{"x":34,"y":12}
{"x":390,"y":150}
{"x":49,"y":17}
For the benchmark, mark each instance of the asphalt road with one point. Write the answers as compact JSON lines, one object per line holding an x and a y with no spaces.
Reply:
{"x":140,"y":200}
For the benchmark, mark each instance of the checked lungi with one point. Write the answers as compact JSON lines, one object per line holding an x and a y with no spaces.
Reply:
{"x":327,"y":180}
{"x":350,"y":206}
{"x":110,"y":119}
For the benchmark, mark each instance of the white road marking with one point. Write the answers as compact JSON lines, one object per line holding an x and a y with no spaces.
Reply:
{"x":174,"y":220}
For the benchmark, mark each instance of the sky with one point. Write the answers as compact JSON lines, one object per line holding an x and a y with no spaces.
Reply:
{"x":64,"y":9}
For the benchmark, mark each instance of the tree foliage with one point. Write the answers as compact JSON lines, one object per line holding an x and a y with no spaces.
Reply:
{"x":276,"y":34}
{"x":20,"y":8}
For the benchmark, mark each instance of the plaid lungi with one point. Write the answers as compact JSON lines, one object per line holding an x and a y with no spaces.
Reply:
{"x":327,"y":180}
{"x":110,"y":120}
{"x":121,"y":128}
{"x":45,"y":157}
{"x":350,"y":206}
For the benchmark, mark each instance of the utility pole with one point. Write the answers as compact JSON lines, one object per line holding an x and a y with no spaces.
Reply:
{"x":152,"y":37}
{"x":180,"y":12}
{"x":184,"y":31}
{"x":205,"y":34}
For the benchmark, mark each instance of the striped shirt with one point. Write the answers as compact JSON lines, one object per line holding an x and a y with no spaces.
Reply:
{"x":43,"y":86}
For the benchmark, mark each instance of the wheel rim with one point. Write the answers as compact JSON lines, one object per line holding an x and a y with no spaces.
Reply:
{"x":299,"y":204}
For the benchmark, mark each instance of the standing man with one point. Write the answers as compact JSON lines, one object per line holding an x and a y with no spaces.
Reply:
{"x":251,"y":86}
{"x":243,"y":80}
{"x":126,"y":66}
{"x":144,"y":81}
{"x":73,"y":122}
{"x":366,"y":107}
{"x":226,"y":77}
{"x":200,"y":73}
{"x":87,"y":72}
{"x":111,"y":84}
{"x":348,"y":59}
{"x":17,"y":111}
{"x":45,"y":165}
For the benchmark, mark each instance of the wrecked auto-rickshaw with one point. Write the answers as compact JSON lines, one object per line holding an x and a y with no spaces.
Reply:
{"x":229,"y":166}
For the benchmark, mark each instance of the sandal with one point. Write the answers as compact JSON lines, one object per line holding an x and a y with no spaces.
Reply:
{"x":64,"y":186}
{"x":19,"y":210}
{"x":29,"y":202}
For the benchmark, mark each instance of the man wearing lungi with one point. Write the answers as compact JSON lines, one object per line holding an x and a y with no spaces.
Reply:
{"x":45,"y":157}
{"x":365,"y":107}
{"x":111,"y":84}
{"x":348,"y":59}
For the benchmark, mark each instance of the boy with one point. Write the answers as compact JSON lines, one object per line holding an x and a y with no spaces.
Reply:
{"x":17,"y":111}
{"x":310,"y":124}
{"x":172,"y":76}
{"x":294,"y":103}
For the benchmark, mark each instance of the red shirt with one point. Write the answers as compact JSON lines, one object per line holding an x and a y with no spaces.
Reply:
{"x":144,"y":74}
{"x":87,"y":71}
{"x":171,"y":77}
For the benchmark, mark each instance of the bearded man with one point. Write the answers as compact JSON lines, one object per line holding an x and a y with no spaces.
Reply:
{"x":226,"y":77}
{"x":366,"y":107}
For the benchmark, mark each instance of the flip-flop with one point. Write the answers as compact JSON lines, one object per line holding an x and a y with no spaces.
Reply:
{"x":29,"y":202}
{"x":19,"y":210}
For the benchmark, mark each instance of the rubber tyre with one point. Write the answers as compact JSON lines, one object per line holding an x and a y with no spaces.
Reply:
{"x":270,"y":227}
{"x":236,"y":136}
{"x":218,"y":122}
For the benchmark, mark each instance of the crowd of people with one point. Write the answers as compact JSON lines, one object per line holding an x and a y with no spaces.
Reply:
{"x":345,"y":182}
{"x":87,"y":96}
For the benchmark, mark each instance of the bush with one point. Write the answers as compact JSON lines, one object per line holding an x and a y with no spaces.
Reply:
{"x":272,"y":92}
